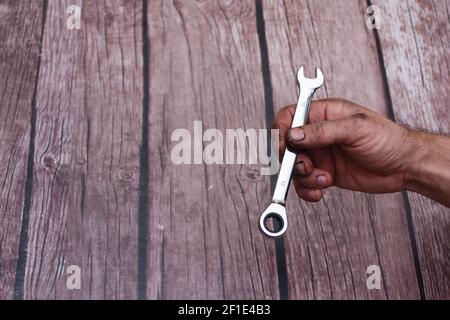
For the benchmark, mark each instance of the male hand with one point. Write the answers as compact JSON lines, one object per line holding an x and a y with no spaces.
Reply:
{"x":348,"y":146}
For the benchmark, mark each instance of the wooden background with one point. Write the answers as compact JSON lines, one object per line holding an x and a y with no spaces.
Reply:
{"x":85,"y":171}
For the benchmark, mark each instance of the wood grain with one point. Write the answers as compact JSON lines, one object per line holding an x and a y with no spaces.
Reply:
{"x":86,"y":164}
{"x":80,"y":99}
{"x":329,"y":245}
{"x":20,"y":33}
{"x":205,"y":65}
{"x":415,"y":37}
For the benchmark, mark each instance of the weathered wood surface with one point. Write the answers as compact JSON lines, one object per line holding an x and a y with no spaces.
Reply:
{"x":86,"y":163}
{"x":204,"y":242}
{"x":330,"y":244}
{"x":20,"y":32}
{"x":415,"y":38}
{"x":106,"y":196}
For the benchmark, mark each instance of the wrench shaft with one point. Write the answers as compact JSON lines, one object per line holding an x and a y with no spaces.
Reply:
{"x":287,"y":166}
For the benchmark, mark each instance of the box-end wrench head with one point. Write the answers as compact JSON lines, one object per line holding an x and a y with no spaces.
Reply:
{"x":277,"y":212}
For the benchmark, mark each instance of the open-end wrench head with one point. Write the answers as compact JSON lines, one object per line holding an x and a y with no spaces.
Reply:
{"x":308,"y":83}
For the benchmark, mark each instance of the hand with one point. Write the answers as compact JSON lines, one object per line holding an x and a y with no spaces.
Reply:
{"x":348,"y":146}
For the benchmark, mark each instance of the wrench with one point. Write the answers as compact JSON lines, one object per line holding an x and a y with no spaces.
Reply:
{"x":277,"y":209}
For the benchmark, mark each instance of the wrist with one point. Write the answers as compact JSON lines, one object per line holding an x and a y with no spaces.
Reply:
{"x":428,"y":171}
{"x":417,"y":160}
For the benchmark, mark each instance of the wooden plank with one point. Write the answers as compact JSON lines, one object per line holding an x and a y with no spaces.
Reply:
{"x":20,"y":33}
{"x":330,"y":244}
{"x":205,"y":65}
{"x":85,"y":192}
{"x":415,"y":37}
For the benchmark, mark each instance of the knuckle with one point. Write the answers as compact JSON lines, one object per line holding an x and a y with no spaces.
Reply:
{"x":308,"y":168}
{"x":360,"y":117}
{"x":299,"y":167}
{"x":359,"y":123}
{"x":287,"y":111}
{"x":319,"y":130}
{"x":302,"y":167}
{"x":277,"y":125}
{"x":336,"y":100}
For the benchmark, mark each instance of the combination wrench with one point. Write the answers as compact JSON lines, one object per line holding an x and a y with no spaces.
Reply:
{"x":277,"y":209}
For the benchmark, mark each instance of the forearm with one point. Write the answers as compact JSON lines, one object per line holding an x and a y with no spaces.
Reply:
{"x":429,"y":172}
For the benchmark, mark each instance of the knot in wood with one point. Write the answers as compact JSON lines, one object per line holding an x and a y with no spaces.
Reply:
{"x":49,"y":162}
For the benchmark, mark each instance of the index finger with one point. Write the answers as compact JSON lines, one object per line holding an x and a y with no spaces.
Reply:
{"x":283,"y":122}
{"x":333,"y":109}
{"x":320,"y":110}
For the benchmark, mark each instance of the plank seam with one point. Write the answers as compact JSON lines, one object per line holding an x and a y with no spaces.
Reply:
{"x":406,"y":201}
{"x":280,"y":251}
{"x":415,"y":251}
{"x":19,"y":282}
{"x":143,"y":211}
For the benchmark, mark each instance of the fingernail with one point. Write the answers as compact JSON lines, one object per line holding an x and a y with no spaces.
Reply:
{"x":297,"y":134}
{"x":321,"y":180}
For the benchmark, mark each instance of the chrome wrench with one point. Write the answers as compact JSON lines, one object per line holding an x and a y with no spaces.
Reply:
{"x":277,"y":209}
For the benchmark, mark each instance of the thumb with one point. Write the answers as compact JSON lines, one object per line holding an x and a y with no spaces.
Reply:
{"x":324,"y":133}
